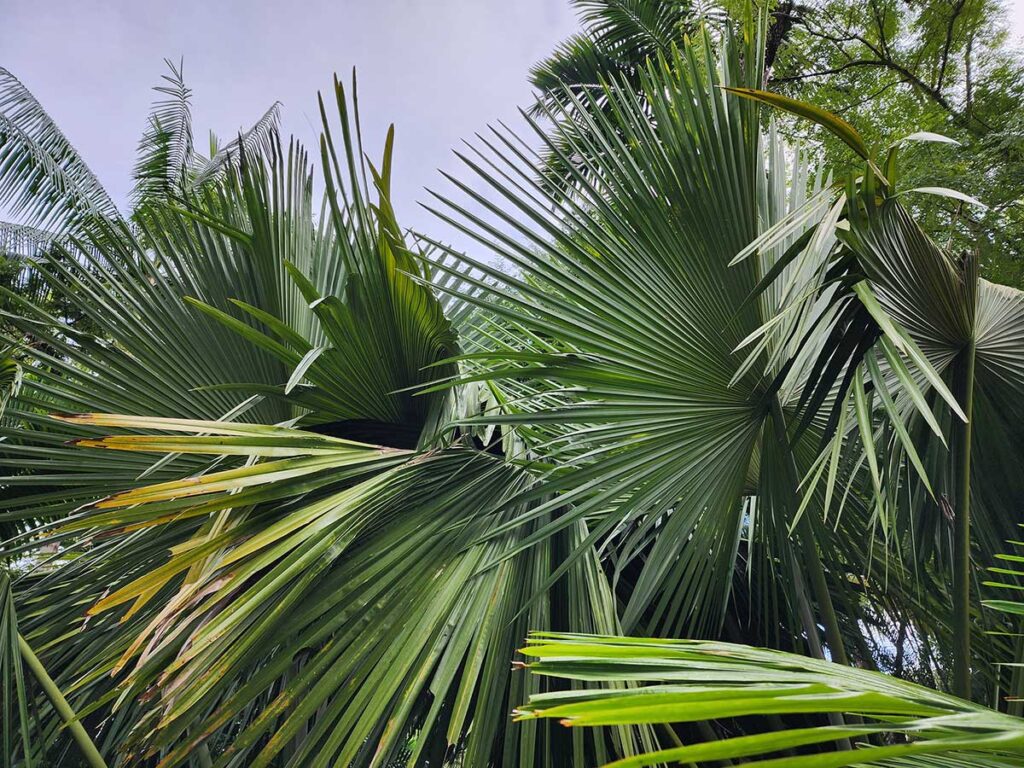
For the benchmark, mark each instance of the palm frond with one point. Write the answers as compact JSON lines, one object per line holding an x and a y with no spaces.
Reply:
{"x":897,"y":291}
{"x":165,"y":152}
{"x":366,"y":570}
{"x":687,"y":681}
{"x":43,"y":180}
{"x":19,"y":668}
{"x":329,"y":576}
{"x":657,"y":423}
{"x":11,"y":375}
{"x":259,"y":139}
{"x":18,"y":241}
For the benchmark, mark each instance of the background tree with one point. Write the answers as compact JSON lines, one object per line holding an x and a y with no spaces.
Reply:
{"x":618,"y":38}
{"x":890,"y":67}
{"x":946,"y":66}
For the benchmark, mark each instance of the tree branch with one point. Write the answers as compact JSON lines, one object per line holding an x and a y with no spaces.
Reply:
{"x":832,"y":71}
{"x":949,"y":41}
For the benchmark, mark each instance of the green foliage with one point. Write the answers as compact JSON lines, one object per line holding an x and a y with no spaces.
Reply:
{"x":672,"y":681}
{"x":618,"y":37}
{"x":10,"y":377}
{"x":285,"y":485}
{"x":296,"y":564}
{"x":892,"y":68}
{"x":45,"y":183}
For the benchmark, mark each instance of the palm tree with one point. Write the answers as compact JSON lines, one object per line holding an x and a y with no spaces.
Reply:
{"x":618,"y":37}
{"x":53,"y":194}
{"x":313,"y":478}
{"x":366,"y":620}
{"x":901,"y":724}
{"x":899,"y":287}
{"x":54,"y":197}
{"x":672,"y":440}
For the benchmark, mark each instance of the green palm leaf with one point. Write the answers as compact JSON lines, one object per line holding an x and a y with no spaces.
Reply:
{"x":16,"y":729}
{"x":259,"y":139}
{"x":268,"y":594}
{"x":165,"y":151}
{"x":44,"y":181}
{"x":656,"y":423}
{"x":686,"y":681}
{"x":10,"y":377}
{"x":896,"y":290}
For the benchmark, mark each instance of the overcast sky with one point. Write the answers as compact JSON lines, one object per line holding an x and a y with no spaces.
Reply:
{"x":439,"y":69}
{"x":1015,"y":9}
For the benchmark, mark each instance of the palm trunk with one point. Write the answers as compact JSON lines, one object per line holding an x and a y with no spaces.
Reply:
{"x":963,"y":376}
{"x":60,"y":704}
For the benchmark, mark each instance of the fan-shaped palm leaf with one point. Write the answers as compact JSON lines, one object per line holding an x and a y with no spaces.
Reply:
{"x":660,"y":424}
{"x":933,"y":305}
{"x":272,"y":595}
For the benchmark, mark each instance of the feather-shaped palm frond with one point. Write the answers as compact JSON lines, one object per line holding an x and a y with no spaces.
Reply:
{"x":618,"y":38}
{"x":43,"y":180}
{"x":257,"y":139}
{"x":165,"y":154}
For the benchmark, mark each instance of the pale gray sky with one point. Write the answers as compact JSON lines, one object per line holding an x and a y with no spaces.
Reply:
{"x":1015,"y":12}
{"x":439,"y":70}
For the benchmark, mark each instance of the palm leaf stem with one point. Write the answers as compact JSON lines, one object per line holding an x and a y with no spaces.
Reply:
{"x":963,"y":376}
{"x":809,"y":550}
{"x":203,"y":755}
{"x":60,"y":704}
{"x":1015,"y":701}
{"x":816,"y":571}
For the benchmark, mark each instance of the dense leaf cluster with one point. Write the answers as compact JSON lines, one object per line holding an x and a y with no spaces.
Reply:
{"x":285,"y":484}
